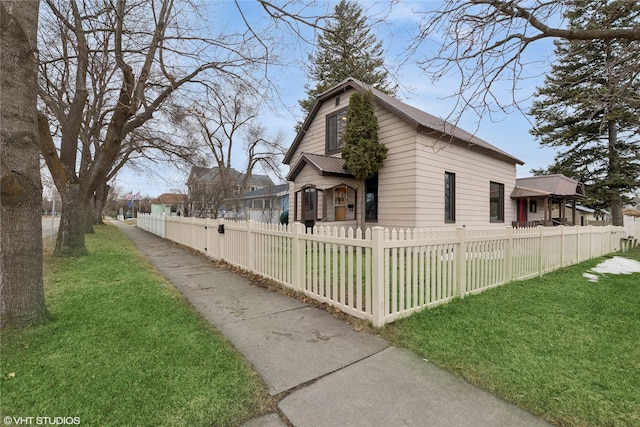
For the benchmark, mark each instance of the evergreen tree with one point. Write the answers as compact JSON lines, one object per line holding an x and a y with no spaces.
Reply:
{"x":363,"y":154}
{"x":593,"y":122}
{"x":346,"y":48}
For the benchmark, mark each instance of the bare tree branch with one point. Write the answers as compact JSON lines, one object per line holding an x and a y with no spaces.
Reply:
{"x":486,"y":45}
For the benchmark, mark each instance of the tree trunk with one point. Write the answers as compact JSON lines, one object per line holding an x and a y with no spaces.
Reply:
{"x":614,"y":175}
{"x":102,"y":193}
{"x":361,"y":206}
{"x":87,"y":217}
{"x":70,"y":240}
{"x":21,"y":286}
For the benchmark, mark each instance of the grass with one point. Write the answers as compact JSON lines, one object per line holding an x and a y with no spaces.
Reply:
{"x":559,"y":346}
{"x":124,"y":348}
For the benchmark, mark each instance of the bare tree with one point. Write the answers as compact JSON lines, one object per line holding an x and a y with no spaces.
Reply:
{"x":268,"y":205}
{"x":222,"y":122}
{"x":485,"y":43}
{"x":156,"y":142}
{"x":136,"y":54}
{"x":22,"y":299}
{"x":206,"y":199}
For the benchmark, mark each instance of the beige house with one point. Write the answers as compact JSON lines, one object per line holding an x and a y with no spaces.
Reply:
{"x":435,"y":174}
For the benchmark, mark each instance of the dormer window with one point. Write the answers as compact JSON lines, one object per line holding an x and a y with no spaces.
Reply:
{"x":336,"y":124}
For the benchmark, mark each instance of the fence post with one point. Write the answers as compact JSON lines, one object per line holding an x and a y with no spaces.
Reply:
{"x":461,"y":261}
{"x":562,"y":246}
{"x":540,"y":251}
{"x":192,"y":233}
{"x":578,"y":243}
{"x":377,"y":278}
{"x":207,"y":240}
{"x":221,"y":239}
{"x":508,"y":255}
{"x":298,"y":255}
{"x":251,"y":246}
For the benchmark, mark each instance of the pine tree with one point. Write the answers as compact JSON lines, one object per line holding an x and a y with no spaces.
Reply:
{"x":363,"y":154}
{"x":594,"y":123}
{"x":346,"y":48}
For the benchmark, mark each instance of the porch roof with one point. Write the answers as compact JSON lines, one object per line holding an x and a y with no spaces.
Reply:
{"x":548,"y":185}
{"x":325,"y":165}
{"x":522,"y":193}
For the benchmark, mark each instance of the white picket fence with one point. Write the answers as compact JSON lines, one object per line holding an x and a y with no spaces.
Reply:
{"x":382,"y":275}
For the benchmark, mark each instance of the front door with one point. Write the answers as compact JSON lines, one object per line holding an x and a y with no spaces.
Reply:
{"x":309,"y":202}
{"x":340,"y":203}
{"x":522,"y":211}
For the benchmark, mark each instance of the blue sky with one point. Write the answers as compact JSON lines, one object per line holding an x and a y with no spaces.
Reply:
{"x":509,"y":132}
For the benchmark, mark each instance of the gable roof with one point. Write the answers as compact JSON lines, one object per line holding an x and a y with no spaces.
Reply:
{"x":548,"y":185}
{"x":424,"y":122}
{"x":202,"y":174}
{"x":324,"y":165}
{"x":197,"y":172}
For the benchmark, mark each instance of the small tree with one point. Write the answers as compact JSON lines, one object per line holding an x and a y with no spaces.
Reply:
{"x":363,"y":154}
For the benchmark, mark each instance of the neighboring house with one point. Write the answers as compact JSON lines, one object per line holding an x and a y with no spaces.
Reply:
{"x":435,"y":173}
{"x":171,"y":204}
{"x":588,"y":216}
{"x":631,"y":217}
{"x":266,"y":204}
{"x":547,"y":200}
{"x":214,"y":192}
{"x":585,"y":215}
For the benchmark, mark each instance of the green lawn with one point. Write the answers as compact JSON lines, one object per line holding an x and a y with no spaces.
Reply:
{"x":559,"y":346}
{"x":124,"y":348}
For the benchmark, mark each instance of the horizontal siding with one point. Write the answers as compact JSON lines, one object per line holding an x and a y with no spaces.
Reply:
{"x":397,"y":182}
{"x":411,"y":182}
{"x":314,"y":140}
{"x":474,"y":172}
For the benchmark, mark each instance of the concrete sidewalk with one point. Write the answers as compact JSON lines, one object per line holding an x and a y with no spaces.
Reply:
{"x":323,"y":372}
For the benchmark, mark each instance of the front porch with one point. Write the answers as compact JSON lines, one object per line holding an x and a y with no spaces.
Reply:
{"x":548,"y":201}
